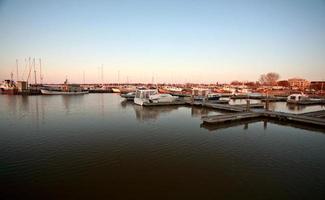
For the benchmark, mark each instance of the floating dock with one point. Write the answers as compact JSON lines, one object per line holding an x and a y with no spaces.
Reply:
{"x":300,"y":118}
{"x":230,"y":117}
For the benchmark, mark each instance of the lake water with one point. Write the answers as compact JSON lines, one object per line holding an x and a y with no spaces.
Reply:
{"x":97,"y":146}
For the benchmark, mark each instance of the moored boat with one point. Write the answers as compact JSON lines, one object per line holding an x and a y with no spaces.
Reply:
{"x":8,"y":87}
{"x":129,"y":96}
{"x":143,"y":96}
{"x":297,"y":98}
{"x":66,"y":89}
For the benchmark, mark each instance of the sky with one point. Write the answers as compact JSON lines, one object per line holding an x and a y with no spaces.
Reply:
{"x":165,"y":41}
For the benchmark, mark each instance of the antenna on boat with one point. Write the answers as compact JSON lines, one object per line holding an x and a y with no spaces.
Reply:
{"x":17,"y":70}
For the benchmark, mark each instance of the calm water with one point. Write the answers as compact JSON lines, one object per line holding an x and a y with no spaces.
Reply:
{"x":98,"y":146}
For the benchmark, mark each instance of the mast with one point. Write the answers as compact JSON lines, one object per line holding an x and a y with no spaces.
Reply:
{"x":118,"y":77}
{"x":17,"y":70}
{"x":102,"y":75}
{"x":84,"y":79}
{"x":29,"y":69}
{"x":34,"y":71}
{"x":40,"y":71}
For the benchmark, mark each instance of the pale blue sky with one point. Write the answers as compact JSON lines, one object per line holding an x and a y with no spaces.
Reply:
{"x":172,"y":40}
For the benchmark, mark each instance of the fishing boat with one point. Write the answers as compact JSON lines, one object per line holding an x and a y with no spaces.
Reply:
{"x":66,"y":89}
{"x":8,"y":87}
{"x":297,"y":98}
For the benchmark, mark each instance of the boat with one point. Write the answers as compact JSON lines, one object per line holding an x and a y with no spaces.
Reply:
{"x":66,"y":89}
{"x":143,"y":96}
{"x":199,"y":94}
{"x":127,"y":89}
{"x":116,"y":90}
{"x":129,"y":96}
{"x":213,"y":96}
{"x":297,"y":98}
{"x":8,"y":87}
{"x":162,"y":98}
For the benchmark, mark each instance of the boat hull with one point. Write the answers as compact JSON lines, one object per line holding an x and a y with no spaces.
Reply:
{"x":9,"y":91}
{"x":49,"y":92}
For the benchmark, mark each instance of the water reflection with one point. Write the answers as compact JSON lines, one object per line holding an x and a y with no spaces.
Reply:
{"x":152,"y":113}
{"x":197,"y":111}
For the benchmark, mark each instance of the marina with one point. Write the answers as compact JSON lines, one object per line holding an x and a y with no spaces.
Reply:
{"x":164,"y":99}
{"x":48,"y":137}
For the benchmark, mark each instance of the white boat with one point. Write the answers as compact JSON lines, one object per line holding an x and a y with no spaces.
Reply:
{"x":116,"y":90}
{"x":143,"y":96}
{"x":296,"y":98}
{"x":158,"y":98}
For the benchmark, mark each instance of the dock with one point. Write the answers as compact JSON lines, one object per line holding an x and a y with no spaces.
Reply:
{"x":230,"y":117}
{"x":233,"y":108}
{"x":311,"y":102}
{"x":319,"y":114}
{"x":281,"y":116}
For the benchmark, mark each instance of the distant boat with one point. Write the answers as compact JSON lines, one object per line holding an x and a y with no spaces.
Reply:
{"x":66,"y":89}
{"x":116,"y":90}
{"x":8,"y":87}
{"x":129,"y":96}
{"x":213,"y":96}
{"x":297,"y":98}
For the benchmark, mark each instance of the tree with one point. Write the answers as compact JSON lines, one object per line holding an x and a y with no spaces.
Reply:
{"x":270,"y":78}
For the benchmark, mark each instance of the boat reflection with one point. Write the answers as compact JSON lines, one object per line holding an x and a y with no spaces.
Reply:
{"x":152,"y":113}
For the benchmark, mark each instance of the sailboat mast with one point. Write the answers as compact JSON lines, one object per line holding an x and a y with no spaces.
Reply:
{"x":84,"y":78}
{"x":29,"y":69}
{"x":40,"y":71}
{"x":34,"y":71}
{"x":102,"y":75}
{"x":17,"y":70}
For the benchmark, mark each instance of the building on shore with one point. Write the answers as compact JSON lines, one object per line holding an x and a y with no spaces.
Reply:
{"x":298,"y":83}
{"x":317,"y":85}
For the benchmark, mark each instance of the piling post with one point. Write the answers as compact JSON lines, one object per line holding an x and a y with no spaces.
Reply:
{"x":248,"y":105}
